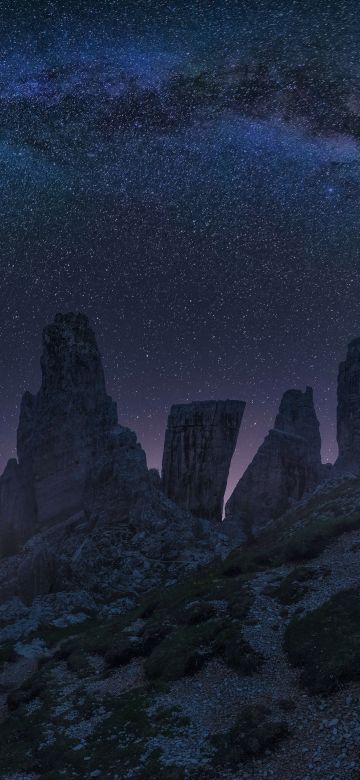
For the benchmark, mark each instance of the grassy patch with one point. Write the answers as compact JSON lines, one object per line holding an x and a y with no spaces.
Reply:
{"x":230,"y":645}
{"x":7,"y":653}
{"x":189,"y":601}
{"x":182,"y":653}
{"x":180,"y":629}
{"x":293,"y":587}
{"x":290,"y":542}
{"x":121,"y":742}
{"x":185,"y":633}
{"x":170,"y":720}
{"x":253,"y":733}
{"x":43,"y":742}
{"x":326,"y":643}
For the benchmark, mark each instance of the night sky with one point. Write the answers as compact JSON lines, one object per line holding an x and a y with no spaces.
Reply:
{"x":188,"y":175}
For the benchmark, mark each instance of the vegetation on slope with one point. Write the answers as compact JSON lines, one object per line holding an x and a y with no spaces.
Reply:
{"x":326,"y":643}
{"x":174,"y":632}
{"x":254,"y":732}
{"x":302,"y":534}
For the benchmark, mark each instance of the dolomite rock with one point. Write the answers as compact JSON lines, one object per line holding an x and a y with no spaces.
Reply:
{"x":61,"y":427}
{"x":36,"y":574}
{"x":286,"y":466}
{"x":80,"y":509}
{"x":348,"y":411}
{"x":297,"y":417}
{"x":17,"y":508}
{"x":69,"y":443}
{"x":199,"y":443}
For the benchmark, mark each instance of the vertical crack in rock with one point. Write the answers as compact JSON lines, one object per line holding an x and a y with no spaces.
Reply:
{"x":199,"y":443}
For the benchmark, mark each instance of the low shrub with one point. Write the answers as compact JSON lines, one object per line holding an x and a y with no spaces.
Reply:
{"x":293,"y":587}
{"x":326,"y":643}
{"x":253,"y":733}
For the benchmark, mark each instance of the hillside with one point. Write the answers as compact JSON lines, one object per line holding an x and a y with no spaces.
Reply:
{"x":249,"y":668}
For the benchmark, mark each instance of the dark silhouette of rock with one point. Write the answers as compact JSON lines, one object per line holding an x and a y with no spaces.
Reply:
{"x":61,"y":427}
{"x":118,"y":481}
{"x":199,"y":443}
{"x":286,"y":466}
{"x":17,"y":509}
{"x":67,"y":432}
{"x":37,"y":573}
{"x":155,"y":478}
{"x":80,"y":510}
{"x":297,"y":417}
{"x":348,"y":411}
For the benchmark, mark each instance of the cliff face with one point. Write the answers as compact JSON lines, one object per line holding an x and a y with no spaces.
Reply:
{"x":80,"y":509}
{"x":348,"y":411}
{"x":297,"y":417}
{"x":17,"y":508}
{"x":66,"y":431}
{"x":61,"y":427}
{"x":199,"y":443}
{"x":286,"y":466}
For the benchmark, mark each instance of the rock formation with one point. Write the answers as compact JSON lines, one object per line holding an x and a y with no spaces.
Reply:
{"x":61,"y":428}
{"x":286,"y":466}
{"x":80,"y":510}
{"x":348,"y":411}
{"x":297,"y":417}
{"x":199,"y":443}
{"x":66,"y":431}
{"x":17,"y":509}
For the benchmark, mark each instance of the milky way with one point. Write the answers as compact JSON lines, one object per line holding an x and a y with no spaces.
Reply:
{"x":188,"y":174}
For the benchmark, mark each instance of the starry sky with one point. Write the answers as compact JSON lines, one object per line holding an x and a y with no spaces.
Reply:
{"x":188,"y":175}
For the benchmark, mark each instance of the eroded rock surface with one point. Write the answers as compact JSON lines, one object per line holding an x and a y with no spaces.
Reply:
{"x":199,"y":443}
{"x":286,"y":466}
{"x":80,"y":508}
{"x":297,"y":417}
{"x":17,"y":507}
{"x":62,"y":427}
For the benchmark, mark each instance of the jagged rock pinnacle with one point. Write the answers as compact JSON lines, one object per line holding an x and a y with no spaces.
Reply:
{"x":287,"y":465}
{"x":65,"y":431}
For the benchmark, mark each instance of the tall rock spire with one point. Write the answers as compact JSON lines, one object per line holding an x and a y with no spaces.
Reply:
{"x":287,"y":465}
{"x":60,"y":427}
{"x":199,"y":443}
{"x":348,"y":411}
{"x":70,"y":447}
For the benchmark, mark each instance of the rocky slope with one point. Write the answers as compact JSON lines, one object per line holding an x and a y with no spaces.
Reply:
{"x":79,"y":509}
{"x":136,"y":641}
{"x":249,"y":668}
